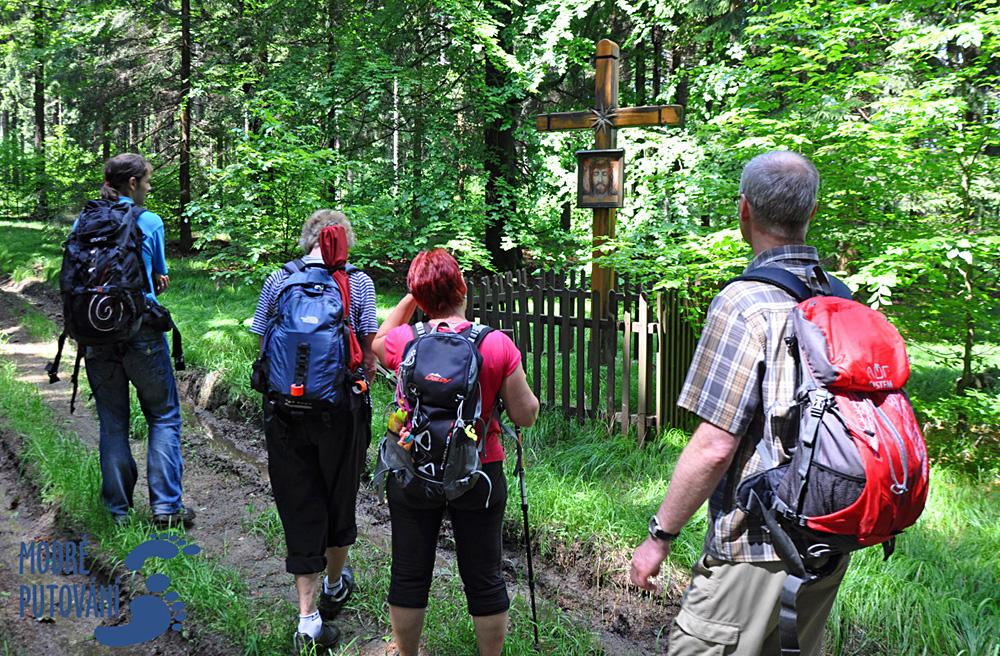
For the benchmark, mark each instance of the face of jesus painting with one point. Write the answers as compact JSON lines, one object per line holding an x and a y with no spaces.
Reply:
{"x":600,"y":176}
{"x":599,"y":179}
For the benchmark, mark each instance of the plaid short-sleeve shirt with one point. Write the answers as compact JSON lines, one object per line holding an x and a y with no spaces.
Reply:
{"x":742,"y":379}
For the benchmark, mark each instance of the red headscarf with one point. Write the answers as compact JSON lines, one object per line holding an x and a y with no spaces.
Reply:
{"x":333,"y":246}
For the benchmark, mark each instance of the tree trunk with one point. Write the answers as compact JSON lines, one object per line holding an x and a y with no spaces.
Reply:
{"x":500,"y":155}
{"x":657,"y":62}
{"x":41,"y":210}
{"x":187,"y":239}
{"x":395,"y":136}
{"x":640,"y":74}
{"x":565,"y":220}
{"x":416,"y":167}
{"x":683,"y":83}
{"x":332,"y":138}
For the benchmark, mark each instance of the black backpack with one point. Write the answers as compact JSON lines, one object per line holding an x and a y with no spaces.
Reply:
{"x":103,"y":284}
{"x":437,"y":452}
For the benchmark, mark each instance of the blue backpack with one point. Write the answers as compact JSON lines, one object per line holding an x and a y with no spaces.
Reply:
{"x":304,"y":361}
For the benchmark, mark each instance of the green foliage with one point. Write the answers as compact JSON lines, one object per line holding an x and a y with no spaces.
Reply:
{"x":262,"y":198}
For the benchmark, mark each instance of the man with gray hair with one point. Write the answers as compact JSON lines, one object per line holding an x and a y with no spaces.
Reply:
{"x":741,"y":384}
{"x":315,"y":461}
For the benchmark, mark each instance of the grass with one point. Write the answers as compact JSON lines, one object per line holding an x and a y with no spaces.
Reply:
{"x":593,"y":488}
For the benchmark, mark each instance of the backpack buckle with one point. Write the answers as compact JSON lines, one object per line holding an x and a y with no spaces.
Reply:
{"x":823,"y":399}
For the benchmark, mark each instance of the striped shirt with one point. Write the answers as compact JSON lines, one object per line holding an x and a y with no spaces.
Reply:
{"x":742,"y":380}
{"x":363,"y":321}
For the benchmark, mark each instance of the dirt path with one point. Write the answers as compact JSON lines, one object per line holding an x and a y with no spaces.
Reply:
{"x":225,"y":475}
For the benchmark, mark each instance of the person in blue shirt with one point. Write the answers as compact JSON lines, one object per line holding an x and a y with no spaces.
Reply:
{"x":143,"y":361}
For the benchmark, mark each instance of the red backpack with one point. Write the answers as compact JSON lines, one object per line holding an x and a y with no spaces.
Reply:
{"x":859,"y":473}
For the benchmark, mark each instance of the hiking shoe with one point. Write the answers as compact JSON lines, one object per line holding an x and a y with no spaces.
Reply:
{"x":331,"y":605}
{"x":304,"y":644}
{"x":183,"y":516}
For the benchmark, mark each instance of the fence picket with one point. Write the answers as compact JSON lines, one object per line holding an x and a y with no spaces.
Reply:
{"x":550,"y":353}
{"x":595,"y":351}
{"x":612,"y":338}
{"x":661,"y":360}
{"x":525,"y":331}
{"x":565,"y":336}
{"x":626,"y":418}
{"x":581,"y":352}
{"x":537,"y":343}
{"x":643,"y":365}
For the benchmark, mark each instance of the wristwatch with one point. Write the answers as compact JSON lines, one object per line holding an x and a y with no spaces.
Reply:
{"x":657,"y":533}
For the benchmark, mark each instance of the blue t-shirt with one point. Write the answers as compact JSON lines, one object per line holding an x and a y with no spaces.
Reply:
{"x":154,"y":254}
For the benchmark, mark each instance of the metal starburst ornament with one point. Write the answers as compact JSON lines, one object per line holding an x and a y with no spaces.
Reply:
{"x":603,"y":119}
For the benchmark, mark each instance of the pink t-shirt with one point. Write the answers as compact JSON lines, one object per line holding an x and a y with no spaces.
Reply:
{"x":500,"y":359}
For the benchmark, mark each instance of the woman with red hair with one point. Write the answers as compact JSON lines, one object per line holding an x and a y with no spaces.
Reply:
{"x":436,"y":285}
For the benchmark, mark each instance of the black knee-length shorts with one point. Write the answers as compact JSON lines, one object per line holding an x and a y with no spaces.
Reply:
{"x":415,"y":527}
{"x":315,"y":464}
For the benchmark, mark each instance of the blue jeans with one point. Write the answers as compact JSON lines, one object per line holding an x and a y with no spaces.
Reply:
{"x":145,"y":362}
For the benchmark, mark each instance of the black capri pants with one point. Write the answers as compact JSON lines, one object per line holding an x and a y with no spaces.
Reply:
{"x":315,"y":464}
{"x":415,"y":527}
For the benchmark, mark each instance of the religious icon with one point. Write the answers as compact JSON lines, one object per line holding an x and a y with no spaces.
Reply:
{"x":600,"y":178}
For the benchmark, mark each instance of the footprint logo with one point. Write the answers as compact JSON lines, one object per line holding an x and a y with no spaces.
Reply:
{"x":152,"y":614}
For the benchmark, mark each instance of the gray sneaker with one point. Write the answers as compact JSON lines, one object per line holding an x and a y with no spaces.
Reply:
{"x":331,"y":605}
{"x":304,"y":644}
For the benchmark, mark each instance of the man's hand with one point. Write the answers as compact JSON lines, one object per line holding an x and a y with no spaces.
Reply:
{"x":646,"y":563}
{"x":162,"y":282}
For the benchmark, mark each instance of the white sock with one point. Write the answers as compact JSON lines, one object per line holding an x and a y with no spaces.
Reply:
{"x":310,"y":624}
{"x":335,"y":588}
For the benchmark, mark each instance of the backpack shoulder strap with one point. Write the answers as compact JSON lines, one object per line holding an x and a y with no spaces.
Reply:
{"x":294,"y":266}
{"x":419,"y":329}
{"x":477,"y":333}
{"x":780,"y":278}
{"x":790,"y":283}
{"x":827,"y":284}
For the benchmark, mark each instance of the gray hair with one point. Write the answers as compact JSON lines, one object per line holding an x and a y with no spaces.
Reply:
{"x":319,"y":220}
{"x":781,"y":187}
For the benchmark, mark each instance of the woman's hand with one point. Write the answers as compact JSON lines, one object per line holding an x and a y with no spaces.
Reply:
{"x":400,"y":315}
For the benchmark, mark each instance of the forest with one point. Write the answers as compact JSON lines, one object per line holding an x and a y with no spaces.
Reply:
{"x":417,"y":119}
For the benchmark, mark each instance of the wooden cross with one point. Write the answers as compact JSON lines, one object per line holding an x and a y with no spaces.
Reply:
{"x":604,"y":120}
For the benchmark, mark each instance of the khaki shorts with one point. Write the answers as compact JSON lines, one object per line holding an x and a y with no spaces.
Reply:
{"x":731,"y":609}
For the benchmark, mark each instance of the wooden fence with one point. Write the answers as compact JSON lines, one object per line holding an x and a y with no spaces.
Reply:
{"x":625,"y":367}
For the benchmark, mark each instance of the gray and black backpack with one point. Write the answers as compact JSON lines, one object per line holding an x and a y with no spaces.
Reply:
{"x":436,"y":454}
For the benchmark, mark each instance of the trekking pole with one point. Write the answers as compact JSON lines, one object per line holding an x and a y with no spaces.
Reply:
{"x":527,"y":534}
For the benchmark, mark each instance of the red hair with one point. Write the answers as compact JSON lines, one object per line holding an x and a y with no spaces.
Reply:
{"x":436,"y":282}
